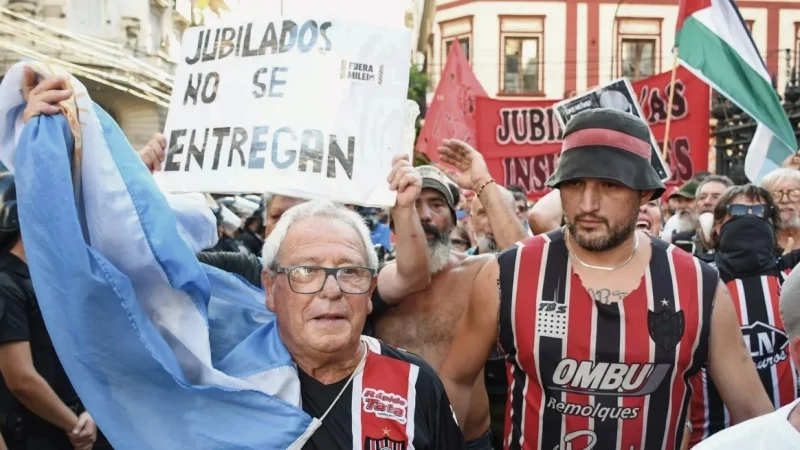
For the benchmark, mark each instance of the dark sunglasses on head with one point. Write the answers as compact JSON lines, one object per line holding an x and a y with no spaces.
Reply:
{"x":763,"y":211}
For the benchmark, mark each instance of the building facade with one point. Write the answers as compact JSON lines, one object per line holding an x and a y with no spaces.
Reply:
{"x":124,"y":51}
{"x":551,"y":49}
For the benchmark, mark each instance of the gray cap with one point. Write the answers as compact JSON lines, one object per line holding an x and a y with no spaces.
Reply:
{"x":434,"y":178}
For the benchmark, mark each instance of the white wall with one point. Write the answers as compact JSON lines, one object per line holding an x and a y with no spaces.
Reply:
{"x":486,"y":45}
{"x":608,"y":35}
{"x":583,"y":47}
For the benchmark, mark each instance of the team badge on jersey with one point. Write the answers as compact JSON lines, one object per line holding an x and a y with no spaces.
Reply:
{"x":666,"y":328}
{"x":383,"y":444}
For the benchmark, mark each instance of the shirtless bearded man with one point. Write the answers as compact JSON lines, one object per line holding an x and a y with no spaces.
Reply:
{"x":425,"y":323}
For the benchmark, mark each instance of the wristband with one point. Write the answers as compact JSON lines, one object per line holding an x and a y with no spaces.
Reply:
{"x":483,"y":186}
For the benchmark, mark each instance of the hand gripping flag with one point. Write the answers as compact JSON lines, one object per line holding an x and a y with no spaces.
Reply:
{"x":165,"y":353}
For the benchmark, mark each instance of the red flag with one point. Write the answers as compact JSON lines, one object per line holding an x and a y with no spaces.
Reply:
{"x":521,"y":140}
{"x":452,"y":111}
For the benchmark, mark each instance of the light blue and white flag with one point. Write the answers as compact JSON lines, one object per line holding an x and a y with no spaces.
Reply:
{"x":165,"y":353}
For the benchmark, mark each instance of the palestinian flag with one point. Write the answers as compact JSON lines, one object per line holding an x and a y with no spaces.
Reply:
{"x":714,"y":43}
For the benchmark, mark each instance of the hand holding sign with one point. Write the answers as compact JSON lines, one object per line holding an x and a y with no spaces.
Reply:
{"x":304,"y":106}
{"x":468,"y":161}
{"x":153,"y":153}
{"x":405,"y":180}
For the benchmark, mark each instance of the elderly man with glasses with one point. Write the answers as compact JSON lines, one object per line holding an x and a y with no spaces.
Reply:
{"x":784,"y":185}
{"x":319,"y":273}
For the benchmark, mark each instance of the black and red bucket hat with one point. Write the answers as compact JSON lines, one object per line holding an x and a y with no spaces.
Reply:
{"x":608,"y":144}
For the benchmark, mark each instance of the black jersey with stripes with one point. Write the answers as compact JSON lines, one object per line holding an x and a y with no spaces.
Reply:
{"x":586,"y":374}
{"x":397,"y":402}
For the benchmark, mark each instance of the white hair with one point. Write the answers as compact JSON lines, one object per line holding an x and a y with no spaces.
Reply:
{"x":317,"y":209}
{"x":778,"y":176}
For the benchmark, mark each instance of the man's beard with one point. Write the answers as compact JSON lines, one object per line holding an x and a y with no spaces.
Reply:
{"x":439,"y":247}
{"x":791,"y":224}
{"x":686,"y":222}
{"x":486,"y":244}
{"x":616,"y":235}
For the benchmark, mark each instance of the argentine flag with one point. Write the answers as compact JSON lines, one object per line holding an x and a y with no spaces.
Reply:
{"x":166,"y":353}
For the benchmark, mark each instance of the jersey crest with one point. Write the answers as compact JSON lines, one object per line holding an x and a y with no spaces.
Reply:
{"x":666,"y":328}
{"x":383,"y":444}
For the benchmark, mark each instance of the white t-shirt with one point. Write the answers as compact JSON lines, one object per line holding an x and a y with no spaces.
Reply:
{"x":768,"y":432}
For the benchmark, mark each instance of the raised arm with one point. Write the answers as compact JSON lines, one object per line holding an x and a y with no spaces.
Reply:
{"x":475,"y":176}
{"x":410,"y":272}
{"x":546,"y":214}
{"x":474,"y":340}
{"x":730,"y":365}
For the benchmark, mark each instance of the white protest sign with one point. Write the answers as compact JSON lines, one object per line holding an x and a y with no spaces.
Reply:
{"x":619,"y":95}
{"x":301,"y":106}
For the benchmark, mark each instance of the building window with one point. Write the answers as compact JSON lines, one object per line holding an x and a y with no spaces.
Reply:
{"x":521,"y":55}
{"x":521,"y":65}
{"x":456,"y":30}
{"x":463,"y":41}
{"x":638,"y":58}
{"x":638,"y":48}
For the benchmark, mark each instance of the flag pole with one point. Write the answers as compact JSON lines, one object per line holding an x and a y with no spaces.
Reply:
{"x":669,"y":103}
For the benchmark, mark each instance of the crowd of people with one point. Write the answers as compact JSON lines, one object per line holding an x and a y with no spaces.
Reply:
{"x":615,"y":313}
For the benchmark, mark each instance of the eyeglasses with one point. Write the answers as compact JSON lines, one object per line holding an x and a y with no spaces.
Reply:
{"x":763,"y":211}
{"x":793,"y":195}
{"x":311,"y":279}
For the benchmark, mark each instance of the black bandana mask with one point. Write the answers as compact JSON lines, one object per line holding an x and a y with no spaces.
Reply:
{"x":746,"y":247}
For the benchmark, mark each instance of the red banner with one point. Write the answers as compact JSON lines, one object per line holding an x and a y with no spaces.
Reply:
{"x":521,"y":140}
{"x":452,"y":111}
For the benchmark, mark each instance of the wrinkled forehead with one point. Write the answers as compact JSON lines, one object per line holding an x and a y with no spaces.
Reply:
{"x":786,"y":184}
{"x":322,"y":241}
{"x":712,"y":187}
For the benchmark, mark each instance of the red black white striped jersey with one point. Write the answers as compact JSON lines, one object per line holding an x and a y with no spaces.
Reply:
{"x":397,"y":402}
{"x":583,"y":374}
{"x":756,"y":300}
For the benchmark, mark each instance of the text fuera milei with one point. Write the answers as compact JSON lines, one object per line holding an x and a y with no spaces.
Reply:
{"x":282,"y":147}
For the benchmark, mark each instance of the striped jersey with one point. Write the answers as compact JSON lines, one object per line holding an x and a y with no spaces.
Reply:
{"x":756,"y":300}
{"x":397,"y":402}
{"x":584,"y":374}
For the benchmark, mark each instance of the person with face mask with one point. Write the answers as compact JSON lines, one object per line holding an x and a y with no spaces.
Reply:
{"x":745,"y":222}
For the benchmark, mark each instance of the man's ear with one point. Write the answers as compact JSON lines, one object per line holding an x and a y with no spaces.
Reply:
{"x":268,"y":280}
{"x":371,"y":291}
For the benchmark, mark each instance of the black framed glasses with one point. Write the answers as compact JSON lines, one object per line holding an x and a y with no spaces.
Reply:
{"x":763,"y":211}
{"x":311,"y":279}
{"x":792,"y":194}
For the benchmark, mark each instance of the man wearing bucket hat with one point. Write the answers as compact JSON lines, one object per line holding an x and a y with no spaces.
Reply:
{"x":602,"y":325}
